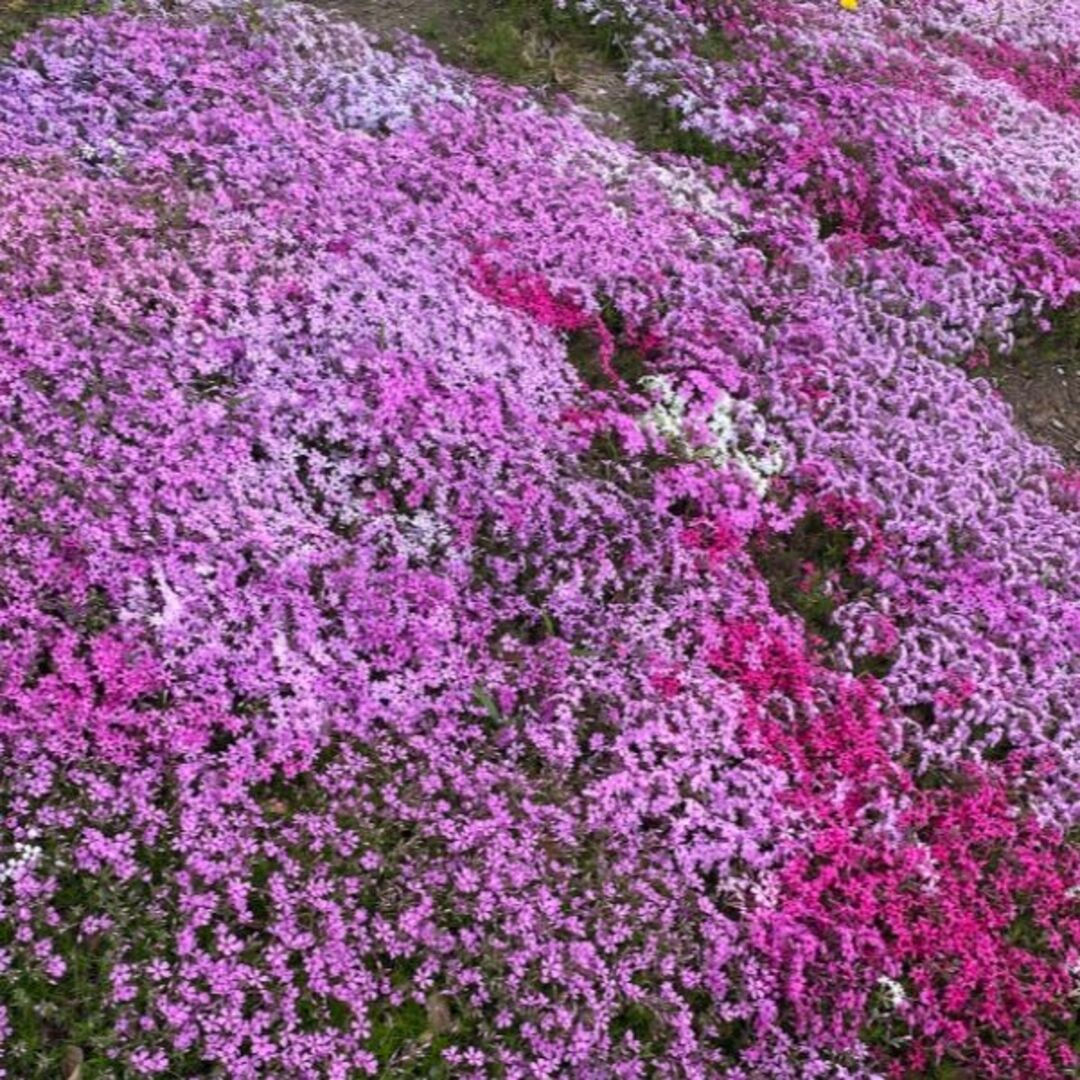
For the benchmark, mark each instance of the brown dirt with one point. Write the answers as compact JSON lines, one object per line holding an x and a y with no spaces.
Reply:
{"x":1041,"y":381}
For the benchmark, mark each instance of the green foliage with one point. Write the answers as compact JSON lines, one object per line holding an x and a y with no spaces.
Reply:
{"x":1037,"y":345}
{"x":405,"y":1045}
{"x":529,"y":41}
{"x":628,"y":362}
{"x":802,"y":570}
{"x":715,"y":45}
{"x":660,"y":129}
{"x":500,"y":50}
{"x":18,"y":17}
{"x":634,"y":1018}
{"x":537,"y":44}
{"x":49,"y":1016}
{"x":1064,"y":337}
{"x":649,"y":1029}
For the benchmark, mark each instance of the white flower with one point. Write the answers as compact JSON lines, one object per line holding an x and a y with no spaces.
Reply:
{"x":26,"y":855}
{"x":172,"y":605}
{"x":893,"y":994}
{"x":730,"y":425}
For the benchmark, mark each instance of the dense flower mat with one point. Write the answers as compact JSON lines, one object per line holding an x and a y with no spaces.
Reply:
{"x":477,"y":601}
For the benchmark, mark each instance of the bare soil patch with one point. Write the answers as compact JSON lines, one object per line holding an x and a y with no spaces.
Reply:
{"x":1041,"y":381}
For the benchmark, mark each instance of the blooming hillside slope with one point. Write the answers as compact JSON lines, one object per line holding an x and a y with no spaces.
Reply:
{"x":479,"y":601}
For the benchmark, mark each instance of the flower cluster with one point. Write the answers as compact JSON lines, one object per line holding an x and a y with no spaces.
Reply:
{"x":478,"y":600}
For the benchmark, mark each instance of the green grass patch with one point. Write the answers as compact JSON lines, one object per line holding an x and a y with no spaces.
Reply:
{"x":18,"y":17}
{"x":526,"y":41}
{"x":535,"y":43}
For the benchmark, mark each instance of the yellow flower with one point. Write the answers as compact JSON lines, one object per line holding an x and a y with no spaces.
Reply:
{"x":850,"y":5}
